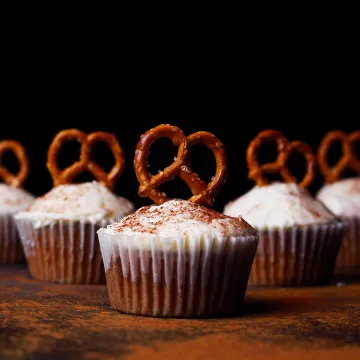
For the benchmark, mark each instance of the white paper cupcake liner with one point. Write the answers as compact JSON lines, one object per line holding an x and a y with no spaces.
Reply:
{"x":303,"y":255}
{"x":66,"y":252}
{"x":349,"y":254}
{"x":183,"y":277}
{"x":11,"y":250}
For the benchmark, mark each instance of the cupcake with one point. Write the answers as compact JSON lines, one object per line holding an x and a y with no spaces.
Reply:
{"x":12,"y":200}
{"x":299,"y":237}
{"x":342,"y":196}
{"x":178,"y":258}
{"x":58,"y":231}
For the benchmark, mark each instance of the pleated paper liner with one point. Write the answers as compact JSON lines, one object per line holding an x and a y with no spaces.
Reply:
{"x":11,"y":250}
{"x":197,"y":277}
{"x":303,"y":255}
{"x":349,"y":254}
{"x":65,"y":252}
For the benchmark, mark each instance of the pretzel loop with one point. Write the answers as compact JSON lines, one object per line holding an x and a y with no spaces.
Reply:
{"x":14,"y":180}
{"x":348,"y":159}
{"x":284,"y":149}
{"x":107,"y":179}
{"x":355,"y":161}
{"x":310,"y":163}
{"x":85,"y":163}
{"x":149,"y":184}
{"x":256,"y":171}
{"x":202,"y":193}
{"x":68,"y":174}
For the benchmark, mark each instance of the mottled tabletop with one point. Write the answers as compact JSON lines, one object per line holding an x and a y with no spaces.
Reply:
{"x":49,"y":321}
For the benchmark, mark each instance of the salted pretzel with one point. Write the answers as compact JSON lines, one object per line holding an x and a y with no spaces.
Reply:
{"x":202,"y":193}
{"x":285,"y":149}
{"x":14,"y":180}
{"x":349,"y":160}
{"x":85,"y":163}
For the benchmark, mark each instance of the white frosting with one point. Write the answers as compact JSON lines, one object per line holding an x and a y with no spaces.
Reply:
{"x":173,"y":229}
{"x":342,"y":197}
{"x":13,"y":200}
{"x":89,"y":202}
{"x":180,"y":217}
{"x":279,"y":205}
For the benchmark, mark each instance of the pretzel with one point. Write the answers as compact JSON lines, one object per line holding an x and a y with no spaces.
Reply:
{"x":14,"y":180}
{"x":85,"y":163}
{"x":284,"y":149}
{"x":202,"y":193}
{"x":349,"y":160}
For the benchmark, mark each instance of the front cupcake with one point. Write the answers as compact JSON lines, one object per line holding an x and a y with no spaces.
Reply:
{"x":299,"y":237}
{"x":12,"y":200}
{"x":178,"y":258}
{"x":342,"y":196}
{"x":58,"y":231}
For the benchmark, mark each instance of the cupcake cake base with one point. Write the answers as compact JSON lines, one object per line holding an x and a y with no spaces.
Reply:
{"x":58,"y":232}
{"x":65,"y":252}
{"x":349,"y":254}
{"x":11,"y":250}
{"x":303,"y":255}
{"x":157,"y":283}
{"x":178,"y":259}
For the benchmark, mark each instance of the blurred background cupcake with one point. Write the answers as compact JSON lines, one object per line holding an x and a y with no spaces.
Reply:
{"x":58,"y":231}
{"x":299,"y":237}
{"x":12,"y":200}
{"x":342,"y":196}
{"x":178,"y":258}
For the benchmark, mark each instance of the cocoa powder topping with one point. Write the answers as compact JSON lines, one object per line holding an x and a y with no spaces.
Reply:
{"x":182,"y":215}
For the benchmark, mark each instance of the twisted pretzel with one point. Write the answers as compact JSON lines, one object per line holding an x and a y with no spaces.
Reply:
{"x":285,"y":149}
{"x":349,"y":160}
{"x":85,"y":163}
{"x":14,"y":180}
{"x":202,"y":193}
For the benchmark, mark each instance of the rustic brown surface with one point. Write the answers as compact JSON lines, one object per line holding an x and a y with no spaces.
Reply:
{"x":49,"y":321}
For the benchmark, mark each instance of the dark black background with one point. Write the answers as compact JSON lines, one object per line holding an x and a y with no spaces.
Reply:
{"x":303,"y":90}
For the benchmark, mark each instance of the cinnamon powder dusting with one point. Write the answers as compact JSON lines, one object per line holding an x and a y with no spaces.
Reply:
{"x":180,"y":213}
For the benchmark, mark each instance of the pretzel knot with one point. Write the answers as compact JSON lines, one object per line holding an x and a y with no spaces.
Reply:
{"x":85,"y":163}
{"x":202,"y":193}
{"x":14,"y":180}
{"x":284,"y":149}
{"x":348,"y":160}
